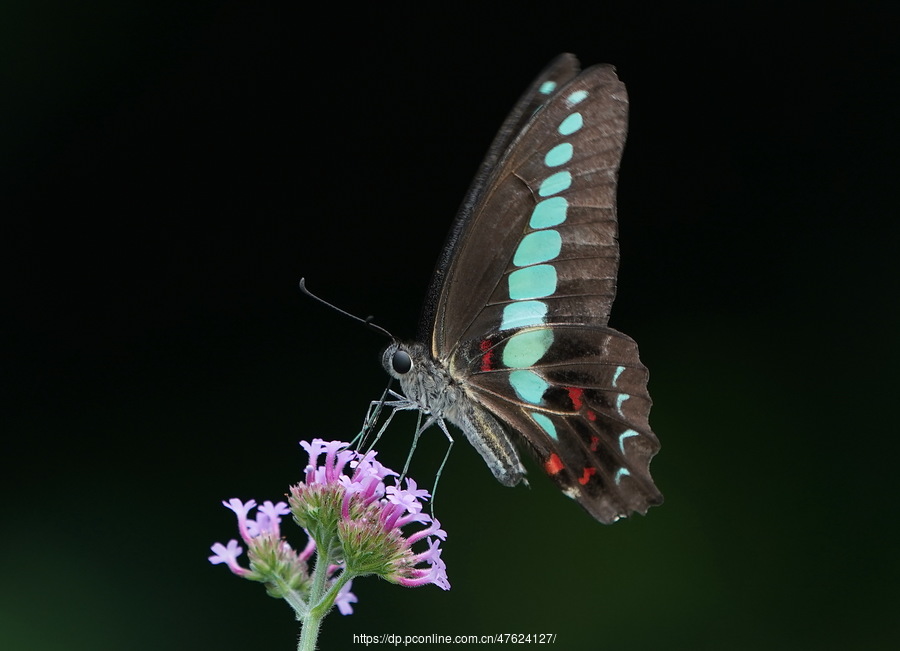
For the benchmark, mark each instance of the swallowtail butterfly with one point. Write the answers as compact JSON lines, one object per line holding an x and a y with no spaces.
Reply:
{"x":513,"y":342}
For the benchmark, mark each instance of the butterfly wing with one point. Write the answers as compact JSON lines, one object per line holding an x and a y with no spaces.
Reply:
{"x":582,"y":408}
{"x":525,"y":193}
{"x":559,"y":72}
{"x":525,"y":292}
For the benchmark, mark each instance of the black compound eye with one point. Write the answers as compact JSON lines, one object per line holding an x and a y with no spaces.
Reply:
{"x":401,"y":361}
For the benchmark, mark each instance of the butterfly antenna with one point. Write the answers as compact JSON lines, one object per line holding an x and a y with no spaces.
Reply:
{"x":367,"y":321}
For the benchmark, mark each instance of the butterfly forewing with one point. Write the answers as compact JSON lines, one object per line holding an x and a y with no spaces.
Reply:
{"x":559,"y":72}
{"x":551,"y":200}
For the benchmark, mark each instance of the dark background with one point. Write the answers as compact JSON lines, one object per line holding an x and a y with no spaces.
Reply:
{"x":170,"y":170}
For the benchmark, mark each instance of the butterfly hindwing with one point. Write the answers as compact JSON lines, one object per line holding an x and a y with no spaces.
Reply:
{"x":583,"y":409}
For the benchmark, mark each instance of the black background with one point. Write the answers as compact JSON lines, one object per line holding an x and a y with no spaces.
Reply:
{"x":170,"y":170}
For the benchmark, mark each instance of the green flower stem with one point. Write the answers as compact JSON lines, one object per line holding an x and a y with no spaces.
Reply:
{"x":296,"y":602}
{"x":312,"y":619}
{"x":309,"y":633}
{"x":321,"y":609}
{"x":320,"y":576}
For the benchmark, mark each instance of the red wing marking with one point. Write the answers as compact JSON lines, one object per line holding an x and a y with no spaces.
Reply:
{"x":554,"y":464}
{"x":586,"y":476}
{"x":575,"y":395}
{"x":487,"y":355}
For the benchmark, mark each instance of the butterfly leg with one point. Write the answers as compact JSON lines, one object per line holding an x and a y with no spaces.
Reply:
{"x":378,"y":404}
{"x":412,"y":448}
{"x":373,"y":413}
{"x":400,"y":403}
{"x":431,"y":420}
{"x":437,"y":477}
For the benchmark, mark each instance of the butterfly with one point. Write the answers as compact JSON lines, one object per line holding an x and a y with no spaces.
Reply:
{"x":513,"y":342}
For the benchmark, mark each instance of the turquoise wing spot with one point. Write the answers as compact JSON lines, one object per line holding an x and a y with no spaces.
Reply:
{"x":624,"y":435}
{"x":621,"y":472}
{"x":571,"y":124}
{"x":532,"y":282}
{"x":555,"y":183}
{"x":546,"y":424}
{"x":523,"y":313}
{"x":616,"y":375}
{"x":576,"y":97}
{"x":525,"y":348}
{"x":547,"y":87}
{"x":619,"y":400}
{"x":549,"y":212}
{"x":559,"y":155}
{"x":536,"y":247}
{"x":529,"y":386}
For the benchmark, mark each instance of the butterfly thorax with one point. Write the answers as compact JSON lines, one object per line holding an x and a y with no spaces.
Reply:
{"x":429,"y":387}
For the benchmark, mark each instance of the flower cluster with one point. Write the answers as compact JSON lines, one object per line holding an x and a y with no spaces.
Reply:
{"x":347,"y":508}
{"x":272,"y":560}
{"x":354,"y":521}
